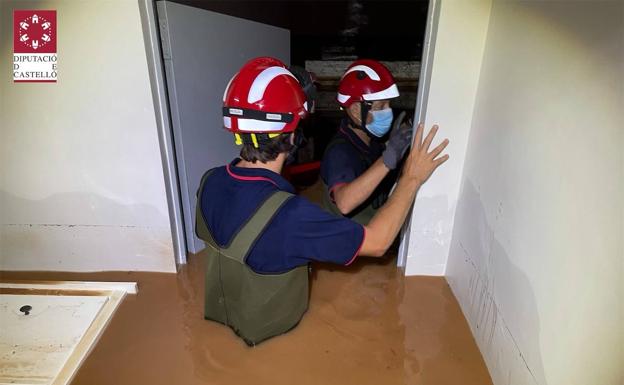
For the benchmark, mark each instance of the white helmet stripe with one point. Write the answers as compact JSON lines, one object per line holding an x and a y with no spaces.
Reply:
{"x":228,"y":87}
{"x":253,"y":125}
{"x":388,"y":93}
{"x":256,"y":92}
{"x":369,"y":71}
{"x":227,"y":122}
{"x":343,"y":98}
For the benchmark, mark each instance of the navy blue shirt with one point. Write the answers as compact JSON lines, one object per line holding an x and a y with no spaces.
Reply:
{"x":300,"y":232}
{"x":348,"y":158}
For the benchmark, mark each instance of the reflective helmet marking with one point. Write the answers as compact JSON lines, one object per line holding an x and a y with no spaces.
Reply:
{"x":262,"y":81}
{"x":366,"y":69}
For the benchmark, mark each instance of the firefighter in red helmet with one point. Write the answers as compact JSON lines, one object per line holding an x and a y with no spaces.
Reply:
{"x":358,"y":168}
{"x":260,"y":236}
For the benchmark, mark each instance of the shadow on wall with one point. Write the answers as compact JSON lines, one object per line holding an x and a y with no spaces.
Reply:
{"x":80,"y":232}
{"x":490,"y":290}
{"x":78,"y":209}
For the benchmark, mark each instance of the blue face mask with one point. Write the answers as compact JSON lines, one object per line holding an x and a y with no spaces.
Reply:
{"x":382,"y":120}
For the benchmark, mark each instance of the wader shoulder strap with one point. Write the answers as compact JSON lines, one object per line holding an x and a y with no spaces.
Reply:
{"x":201,"y":229}
{"x":246,"y":237}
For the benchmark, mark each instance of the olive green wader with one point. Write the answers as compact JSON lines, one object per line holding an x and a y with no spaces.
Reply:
{"x":256,"y":306}
{"x":366,"y":211}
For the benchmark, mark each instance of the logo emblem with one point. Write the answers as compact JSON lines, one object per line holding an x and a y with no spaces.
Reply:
{"x":34,"y":46}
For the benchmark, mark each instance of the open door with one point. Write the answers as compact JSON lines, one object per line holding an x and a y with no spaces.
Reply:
{"x":202,"y":50}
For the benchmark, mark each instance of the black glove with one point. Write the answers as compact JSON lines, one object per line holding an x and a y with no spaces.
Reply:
{"x":307,"y":80}
{"x":399,"y":142}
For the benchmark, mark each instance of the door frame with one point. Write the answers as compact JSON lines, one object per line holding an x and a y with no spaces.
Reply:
{"x":151,"y":32}
{"x":420,"y":112}
{"x":156,"y":68}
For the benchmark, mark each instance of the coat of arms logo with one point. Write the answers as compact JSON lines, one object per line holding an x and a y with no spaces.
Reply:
{"x":34,"y":46}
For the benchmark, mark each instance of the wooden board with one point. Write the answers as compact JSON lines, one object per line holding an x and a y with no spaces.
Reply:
{"x":65,"y":320}
{"x":127,"y":287}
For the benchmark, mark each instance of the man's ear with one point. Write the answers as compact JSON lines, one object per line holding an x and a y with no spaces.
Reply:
{"x":354,"y":112}
{"x":292,"y":138}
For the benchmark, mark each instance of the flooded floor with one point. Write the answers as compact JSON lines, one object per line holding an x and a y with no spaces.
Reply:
{"x":366,"y":324}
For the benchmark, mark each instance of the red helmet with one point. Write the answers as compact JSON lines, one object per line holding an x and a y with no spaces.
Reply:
{"x":366,"y":80}
{"x":264,"y":97}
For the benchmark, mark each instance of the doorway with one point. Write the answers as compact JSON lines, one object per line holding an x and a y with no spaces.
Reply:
{"x":201,"y":44}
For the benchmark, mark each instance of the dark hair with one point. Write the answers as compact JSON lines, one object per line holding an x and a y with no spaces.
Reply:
{"x":267,"y":150}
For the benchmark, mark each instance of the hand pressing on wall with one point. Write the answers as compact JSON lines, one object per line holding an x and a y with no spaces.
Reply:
{"x":419,"y":165}
{"x":421,"y":162}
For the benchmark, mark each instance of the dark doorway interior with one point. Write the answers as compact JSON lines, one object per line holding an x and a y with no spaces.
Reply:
{"x":328,"y":35}
{"x":383,"y":30}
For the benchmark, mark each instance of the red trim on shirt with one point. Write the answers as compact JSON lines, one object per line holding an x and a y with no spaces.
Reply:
{"x":359,"y":248}
{"x":331,"y":190}
{"x":249,"y":178}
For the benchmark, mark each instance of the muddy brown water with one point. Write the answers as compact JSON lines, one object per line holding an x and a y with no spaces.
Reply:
{"x":366,"y":324}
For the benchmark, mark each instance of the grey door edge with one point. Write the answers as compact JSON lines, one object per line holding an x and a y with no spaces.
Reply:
{"x":151,"y":37}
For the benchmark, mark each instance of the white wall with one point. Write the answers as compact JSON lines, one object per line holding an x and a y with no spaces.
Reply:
{"x":82,"y":185}
{"x":459,"y":45}
{"x":536,"y":258}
